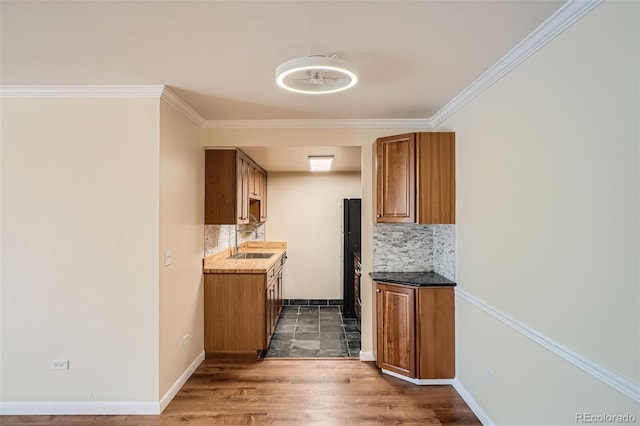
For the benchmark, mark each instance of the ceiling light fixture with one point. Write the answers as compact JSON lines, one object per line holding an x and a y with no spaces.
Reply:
{"x":316,"y":75}
{"x":320,"y":163}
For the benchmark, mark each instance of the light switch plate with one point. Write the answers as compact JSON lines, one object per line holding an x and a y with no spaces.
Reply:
{"x":168,"y":258}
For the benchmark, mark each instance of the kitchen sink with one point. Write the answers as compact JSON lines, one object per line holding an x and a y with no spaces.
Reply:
{"x":251,"y":256}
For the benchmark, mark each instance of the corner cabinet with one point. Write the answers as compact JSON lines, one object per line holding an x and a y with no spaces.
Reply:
{"x":414,"y":178}
{"x":235,"y":188}
{"x":415,"y":331}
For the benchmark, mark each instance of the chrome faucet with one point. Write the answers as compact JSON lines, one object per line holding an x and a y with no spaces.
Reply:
{"x":256,"y":223}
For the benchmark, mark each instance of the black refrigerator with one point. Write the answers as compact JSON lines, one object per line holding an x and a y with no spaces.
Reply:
{"x":351,"y":238}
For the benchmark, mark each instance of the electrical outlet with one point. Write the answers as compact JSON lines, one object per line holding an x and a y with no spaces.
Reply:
{"x":60,"y":364}
{"x":168,"y":258}
{"x":488,"y":375}
{"x":185,"y":340}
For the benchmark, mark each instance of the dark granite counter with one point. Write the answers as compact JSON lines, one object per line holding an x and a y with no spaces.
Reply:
{"x":414,"y":279}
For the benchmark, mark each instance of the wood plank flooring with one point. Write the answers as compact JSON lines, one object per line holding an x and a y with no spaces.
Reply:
{"x":291,"y":392}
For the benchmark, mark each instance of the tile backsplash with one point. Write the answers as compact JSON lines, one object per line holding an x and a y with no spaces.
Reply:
{"x":413,"y":248}
{"x":221,"y":237}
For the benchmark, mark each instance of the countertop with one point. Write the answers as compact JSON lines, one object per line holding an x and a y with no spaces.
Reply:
{"x":220,"y":263}
{"x":357,"y":254}
{"x":414,"y":279}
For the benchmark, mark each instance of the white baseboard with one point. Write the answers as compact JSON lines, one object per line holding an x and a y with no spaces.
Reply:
{"x":475,"y":407}
{"x":173,"y":390}
{"x":79,"y":408}
{"x":100,"y":407}
{"x":420,"y":382}
{"x":464,"y":394}
{"x":367,"y":356}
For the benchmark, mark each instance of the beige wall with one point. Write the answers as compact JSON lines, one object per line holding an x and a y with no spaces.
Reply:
{"x":181,"y":232}
{"x":79,"y":246}
{"x":322,"y":137}
{"x":305,"y":210}
{"x":548,"y":224}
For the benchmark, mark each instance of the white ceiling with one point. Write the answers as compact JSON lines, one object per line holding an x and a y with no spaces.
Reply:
{"x":220,"y":56}
{"x":294,"y":158}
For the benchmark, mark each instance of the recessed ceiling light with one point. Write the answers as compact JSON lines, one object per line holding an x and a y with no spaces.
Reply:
{"x":320,"y":163}
{"x":316,"y":75}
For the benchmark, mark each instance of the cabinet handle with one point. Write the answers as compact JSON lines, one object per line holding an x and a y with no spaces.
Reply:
{"x":378,"y":215}
{"x":378,"y":290}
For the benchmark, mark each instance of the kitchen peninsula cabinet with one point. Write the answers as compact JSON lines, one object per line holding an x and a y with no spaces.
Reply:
{"x":414,"y":178}
{"x":235,"y":188}
{"x":415,"y":327}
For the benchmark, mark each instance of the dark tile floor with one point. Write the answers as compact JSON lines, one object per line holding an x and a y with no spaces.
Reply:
{"x":315,"y":331}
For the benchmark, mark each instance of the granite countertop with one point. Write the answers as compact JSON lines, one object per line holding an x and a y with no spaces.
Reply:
{"x":220,"y":263}
{"x":414,"y":279}
{"x":357,"y":254}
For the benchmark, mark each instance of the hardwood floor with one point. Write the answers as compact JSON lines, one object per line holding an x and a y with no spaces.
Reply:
{"x":291,"y":392}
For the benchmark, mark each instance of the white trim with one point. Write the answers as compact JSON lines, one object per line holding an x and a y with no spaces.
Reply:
{"x":600,"y":372}
{"x":173,"y":390}
{"x":420,"y":382}
{"x":562,"y":19}
{"x":182,"y":107}
{"x":79,"y":408}
{"x":475,"y":407}
{"x":417,"y":124}
{"x":367,"y":356}
{"x":81,"y":91}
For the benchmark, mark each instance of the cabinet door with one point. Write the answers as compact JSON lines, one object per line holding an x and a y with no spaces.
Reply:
{"x":436,"y":351}
{"x":436,"y":177}
{"x":395,"y":179}
{"x":220,"y":187}
{"x":242,"y":189}
{"x":269,"y":318}
{"x":278,"y":309}
{"x":396,"y":329}
{"x":254,"y":179}
{"x":263,"y":198}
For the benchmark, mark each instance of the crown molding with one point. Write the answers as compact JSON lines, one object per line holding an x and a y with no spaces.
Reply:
{"x":81,"y":91}
{"x":182,"y":107}
{"x":562,"y":19}
{"x":418,"y":124}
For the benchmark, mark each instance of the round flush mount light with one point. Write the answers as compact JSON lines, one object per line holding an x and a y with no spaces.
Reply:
{"x":316,"y":75}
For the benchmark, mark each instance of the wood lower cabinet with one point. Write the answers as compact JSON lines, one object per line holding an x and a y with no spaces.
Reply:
{"x":241,"y":311}
{"x":414,"y":178}
{"x":273,"y":299}
{"x":395,"y":310}
{"x":415,"y":332}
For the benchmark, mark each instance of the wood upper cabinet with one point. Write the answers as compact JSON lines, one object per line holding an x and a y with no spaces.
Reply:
{"x":263,"y":196}
{"x":255,"y":175}
{"x":415,"y":330}
{"x":233,"y":183}
{"x":395,"y":179}
{"x":436,"y":177}
{"x":242,"y":197}
{"x":414,"y":178}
